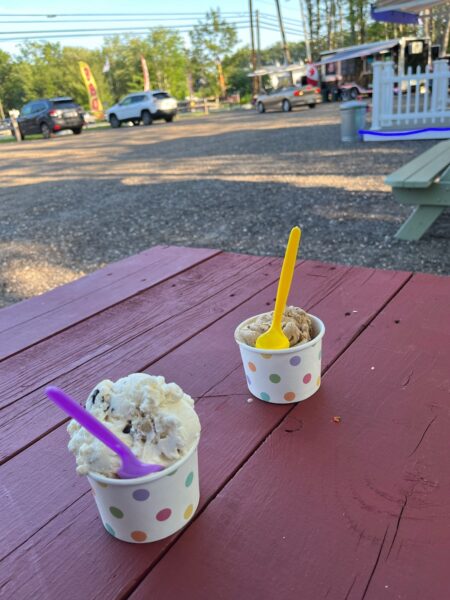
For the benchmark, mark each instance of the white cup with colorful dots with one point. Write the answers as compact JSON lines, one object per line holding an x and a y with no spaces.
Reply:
{"x":284,"y":376}
{"x":149,"y":508}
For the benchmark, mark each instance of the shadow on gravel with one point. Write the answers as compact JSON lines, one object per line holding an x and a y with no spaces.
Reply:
{"x":82,"y":224}
{"x":301,"y":147}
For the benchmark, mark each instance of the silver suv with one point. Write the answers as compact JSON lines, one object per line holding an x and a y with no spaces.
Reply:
{"x":143,"y":106}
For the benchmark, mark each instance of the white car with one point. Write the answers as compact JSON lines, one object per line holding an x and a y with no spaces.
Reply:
{"x":143,"y":106}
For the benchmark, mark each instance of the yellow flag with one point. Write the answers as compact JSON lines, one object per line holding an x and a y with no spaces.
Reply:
{"x":95,"y":103}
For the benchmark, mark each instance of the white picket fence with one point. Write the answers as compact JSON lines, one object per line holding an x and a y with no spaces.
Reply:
{"x":419,"y":99}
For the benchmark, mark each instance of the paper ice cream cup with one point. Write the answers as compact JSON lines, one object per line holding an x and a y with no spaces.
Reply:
{"x":149,"y":508}
{"x":284,"y":376}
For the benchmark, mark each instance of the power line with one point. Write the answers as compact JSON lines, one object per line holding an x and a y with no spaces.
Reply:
{"x":76,"y":35}
{"x":128,"y":14}
{"x":113,"y":20}
{"x":288,"y":29}
{"x":138,"y":18}
{"x":44,"y":31}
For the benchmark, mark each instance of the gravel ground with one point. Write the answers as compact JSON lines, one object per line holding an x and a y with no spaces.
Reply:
{"x":236,"y":181}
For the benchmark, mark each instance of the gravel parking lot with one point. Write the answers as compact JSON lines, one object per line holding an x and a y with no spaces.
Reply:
{"x":236,"y":181}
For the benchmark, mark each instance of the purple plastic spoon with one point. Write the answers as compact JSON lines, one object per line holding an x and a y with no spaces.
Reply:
{"x":131,"y":466}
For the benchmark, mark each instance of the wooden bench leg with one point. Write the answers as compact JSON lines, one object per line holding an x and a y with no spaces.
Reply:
{"x":418,"y":222}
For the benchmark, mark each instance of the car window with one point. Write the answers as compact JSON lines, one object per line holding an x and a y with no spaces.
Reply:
{"x":39,"y":106}
{"x":62,"y":104}
{"x":136,"y":99}
{"x":126,"y":101}
{"x":26,"y":110}
{"x":161,"y":95}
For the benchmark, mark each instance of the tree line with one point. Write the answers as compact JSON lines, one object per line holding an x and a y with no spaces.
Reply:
{"x":211,"y":66}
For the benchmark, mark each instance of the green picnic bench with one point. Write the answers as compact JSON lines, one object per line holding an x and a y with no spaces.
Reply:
{"x":425,"y":183}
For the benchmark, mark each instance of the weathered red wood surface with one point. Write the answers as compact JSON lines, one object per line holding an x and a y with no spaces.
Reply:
{"x":32,"y":320}
{"x":58,"y":522}
{"x":356,"y":509}
{"x":121,"y":340}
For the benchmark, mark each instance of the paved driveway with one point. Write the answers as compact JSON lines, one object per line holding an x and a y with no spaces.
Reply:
{"x":236,"y":181}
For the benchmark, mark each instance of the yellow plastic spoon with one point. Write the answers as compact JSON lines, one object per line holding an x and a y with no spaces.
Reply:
{"x":274,"y":338}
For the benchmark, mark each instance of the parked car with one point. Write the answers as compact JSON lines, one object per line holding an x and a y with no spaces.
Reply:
{"x":50,"y":115}
{"x":143,"y":106}
{"x":287,"y":98}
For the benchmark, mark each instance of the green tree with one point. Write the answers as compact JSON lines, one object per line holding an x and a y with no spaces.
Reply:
{"x":18,"y":86}
{"x":168,"y":61}
{"x":5,"y":70}
{"x":237,"y":68}
{"x":44,"y":70}
{"x":212,"y":40}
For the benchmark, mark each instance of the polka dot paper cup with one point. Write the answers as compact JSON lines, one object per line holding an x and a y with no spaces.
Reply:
{"x":284,"y":376}
{"x":148,"y":508}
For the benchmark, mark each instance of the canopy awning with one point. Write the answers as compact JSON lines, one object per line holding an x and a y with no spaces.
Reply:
{"x":405,"y":12}
{"x":277,"y":69}
{"x":364,"y":50}
{"x":415,"y":6}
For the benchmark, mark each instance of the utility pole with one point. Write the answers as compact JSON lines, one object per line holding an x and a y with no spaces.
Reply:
{"x":258,"y":41}
{"x":305,"y":32}
{"x":287,"y":54}
{"x":258,"y":49}
{"x":252,"y":38}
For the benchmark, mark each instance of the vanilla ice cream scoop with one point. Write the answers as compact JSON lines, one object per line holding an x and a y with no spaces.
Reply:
{"x":157,"y":420}
{"x":296,"y":325}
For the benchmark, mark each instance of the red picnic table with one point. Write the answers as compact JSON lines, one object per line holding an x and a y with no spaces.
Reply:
{"x":343,"y":496}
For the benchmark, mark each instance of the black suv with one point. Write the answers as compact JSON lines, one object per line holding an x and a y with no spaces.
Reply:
{"x":50,"y":115}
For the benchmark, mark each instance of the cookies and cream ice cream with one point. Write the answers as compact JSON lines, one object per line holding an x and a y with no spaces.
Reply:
{"x":157,"y":420}
{"x":296,"y":324}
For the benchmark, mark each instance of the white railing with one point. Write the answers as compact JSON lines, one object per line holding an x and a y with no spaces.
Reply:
{"x":420,"y":98}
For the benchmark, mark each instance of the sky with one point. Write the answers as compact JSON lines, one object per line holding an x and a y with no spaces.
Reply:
{"x":290,"y":11}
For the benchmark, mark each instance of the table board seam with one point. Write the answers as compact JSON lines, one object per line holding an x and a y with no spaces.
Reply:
{"x":166,"y":278}
{"x":144,"y":331}
{"x":127,"y":595}
{"x":159,"y":357}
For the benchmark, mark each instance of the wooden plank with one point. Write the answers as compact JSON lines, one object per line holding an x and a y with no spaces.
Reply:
{"x":352,"y":510}
{"x":206,"y":293}
{"x":30,"y":321}
{"x":422,"y":170}
{"x":42,"y":363}
{"x":418,"y":223}
{"x":60,"y":523}
{"x":437,"y":195}
{"x":30,"y":417}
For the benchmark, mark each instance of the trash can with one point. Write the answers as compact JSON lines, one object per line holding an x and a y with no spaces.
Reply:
{"x":353,"y":118}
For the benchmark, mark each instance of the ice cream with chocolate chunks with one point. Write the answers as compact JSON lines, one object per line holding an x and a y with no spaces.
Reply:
{"x":157,"y":420}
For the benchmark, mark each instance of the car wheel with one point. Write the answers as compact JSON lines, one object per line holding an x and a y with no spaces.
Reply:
{"x":169,"y":118}
{"x":286,"y":106}
{"x":312,"y":105}
{"x":136,"y":122}
{"x":345,"y":95}
{"x":261,"y":108}
{"x":354,"y":93}
{"x":77,"y":130}
{"x":147,"y":118}
{"x":45,"y":130}
{"x":114,"y":121}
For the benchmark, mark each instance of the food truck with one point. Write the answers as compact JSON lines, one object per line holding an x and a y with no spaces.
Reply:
{"x":347,"y":72}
